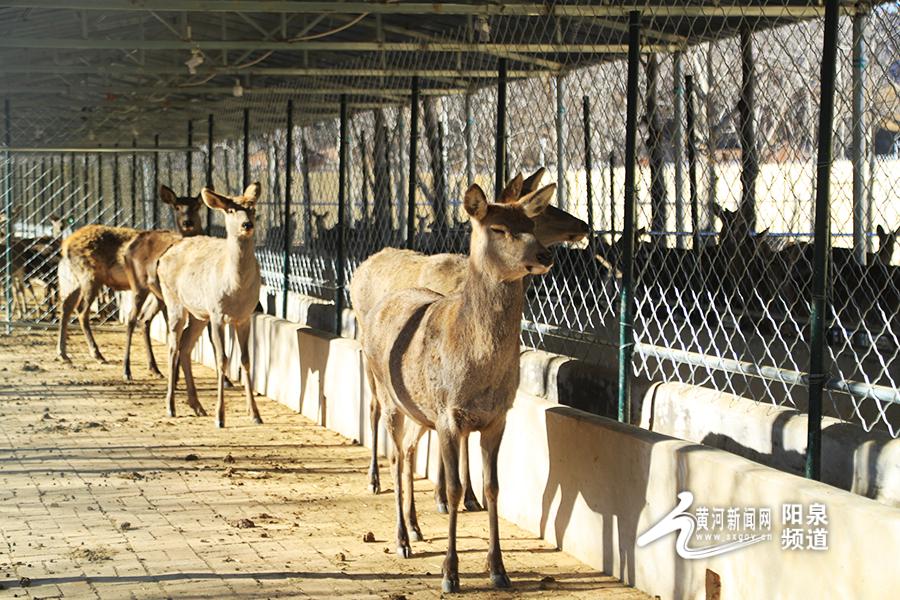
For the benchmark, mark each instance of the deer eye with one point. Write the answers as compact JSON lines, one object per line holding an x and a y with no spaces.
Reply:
{"x":498,"y":230}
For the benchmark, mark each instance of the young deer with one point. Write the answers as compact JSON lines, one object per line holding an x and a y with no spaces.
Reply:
{"x":451,"y":363}
{"x":93,"y":257}
{"x":141,"y":255}
{"x":393,"y":269}
{"x":206,"y":279}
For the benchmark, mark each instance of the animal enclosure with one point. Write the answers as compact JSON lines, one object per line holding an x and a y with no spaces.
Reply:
{"x":374,"y":145}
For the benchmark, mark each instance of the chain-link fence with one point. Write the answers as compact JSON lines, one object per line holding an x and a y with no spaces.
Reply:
{"x":727,"y":103}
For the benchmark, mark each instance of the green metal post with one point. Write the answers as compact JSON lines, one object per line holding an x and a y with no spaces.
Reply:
{"x":342,"y":185}
{"x":117,"y":188}
{"x":288,"y":183}
{"x":245,"y":158}
{"x":189,"y":160}
{"x":588,"y":168}
{"x":209,"y":166}
{"x":134,"y":184}
{"x":7,"y":211}
{"x":821,"y":244}
{"x":500,"y":142}
{"x":413,"y":153}
{"x":692,"y":160}
{"x":100,"y":199}
{"x":626,"y":317}
{"x":155,"y":191}
{"x":612,"y":197}
{"x":85,"y":190}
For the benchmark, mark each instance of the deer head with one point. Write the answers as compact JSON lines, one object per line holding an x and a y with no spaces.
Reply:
{"x":887,"y":240}
{"x":186,"y":211}
{"x":553,"y":225}
{"x":240,"y":211}
{"x":503,"y":240}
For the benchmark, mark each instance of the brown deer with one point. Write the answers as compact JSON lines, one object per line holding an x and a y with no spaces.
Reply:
{"x":393,"y":269}
{"x":451,"y":363}
{"x":213,"y":280}
{"x":93,"y":257}
{"x":141,"y":255}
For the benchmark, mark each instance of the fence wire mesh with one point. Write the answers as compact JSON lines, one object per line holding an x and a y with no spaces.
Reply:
{"x":723,"y":236}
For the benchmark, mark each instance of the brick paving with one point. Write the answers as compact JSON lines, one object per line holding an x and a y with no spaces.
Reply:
{"x":102,"y":496}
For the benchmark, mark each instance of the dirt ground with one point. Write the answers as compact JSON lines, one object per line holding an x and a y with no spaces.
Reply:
{"x":103,"y":496}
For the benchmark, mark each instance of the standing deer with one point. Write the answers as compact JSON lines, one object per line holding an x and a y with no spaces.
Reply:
{"x":213,"y":280}
{"x":93,"y":257}
{"x":141,"y":256}
{"x":451,"y":363}
{"x":392,"y":269}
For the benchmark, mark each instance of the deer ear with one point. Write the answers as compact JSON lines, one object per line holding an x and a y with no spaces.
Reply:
{"x":881,"y":231}
{"x":475,"y":202}
{"x":251,"y":194}
{"x":214,"y":200}
{"x":534,"y":203}
{"x":167,"y":195}
{"x":763,"y":233}
{"x":512,"y":191}
{"x":533,"y":181}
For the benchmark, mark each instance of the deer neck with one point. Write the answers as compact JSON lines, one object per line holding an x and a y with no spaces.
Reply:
{"x":490,"y":312}
{"x":240,"y":254}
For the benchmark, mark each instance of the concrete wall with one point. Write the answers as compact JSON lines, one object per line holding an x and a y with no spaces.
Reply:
{"x":591,"y":485}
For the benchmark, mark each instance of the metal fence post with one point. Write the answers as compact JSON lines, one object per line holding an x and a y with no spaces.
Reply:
{"x":692,"y":161}
{"x":678,"y":149}
{"x":470,"y":140}
{"x":562,"y":198}
{"x":134,"y":184}
{"x":85,"y":190}
{"x":101,"y":200}
{"x":413,"y":153}
{"x":117,"y":188}
{"x":500,"y":145}
{"x":342,"y":184}
{"x":7,"y":212}
{"x":155,"y":191}
{"x":189,"y":159}
{"x":821,"y":244}
{"x":209,"y":166}
{"x":588,"y":169}
{"x":70,"y":208}
{"x":626,"y":333}
{"x":862,"y":210}
{"x":288,"y":182}
{"x":245,"y":157}
{"x":747,"y":130}
{"x":612,"y":197}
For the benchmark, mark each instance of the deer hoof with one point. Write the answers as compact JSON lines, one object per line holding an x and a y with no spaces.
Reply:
{"x":128,"y":378}
{"x":156,"y":373}
{"x":450,"y":584}
{"x":417,"y":535}
{"x":258,"y":420}
{"x":442,"y":507}
{"x":472,"y":505}
{"x":198,"y":410}
{"x":500,"y":580}
{"x":374,"y":483}
{"x":226,"y":383}
{"x":404,"y":551}
{"x":64,"y":358}
{"x":171,"y":413}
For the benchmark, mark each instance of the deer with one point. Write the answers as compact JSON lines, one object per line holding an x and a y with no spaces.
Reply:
{"x":93,"y":257}
{"x":217,"y":281}
{"x":394,"y":269}
{"x":451,"y":363}
{"x":33,"y":261}
{"x":140,"y":257}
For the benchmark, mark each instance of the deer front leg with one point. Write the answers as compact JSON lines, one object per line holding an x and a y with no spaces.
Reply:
{"x":152,"y":306}
{"x":188,"y":339}
{"x":138,"y":298}
{"x":440,"y":489}
{"x":176,"y":329}
{"x":448,"y":439}
{"x":470,"y":501}
{"x":394,"y":422}
{"x":490,"y":448}
{"x":217,"y":333}
{"x":243,"y":335}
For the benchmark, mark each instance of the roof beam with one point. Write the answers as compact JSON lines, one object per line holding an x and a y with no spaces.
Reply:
{"x":423,"y":46}
{"x":533,"y":9}
{"x":26,"y":69}
{"x":125,"y":91}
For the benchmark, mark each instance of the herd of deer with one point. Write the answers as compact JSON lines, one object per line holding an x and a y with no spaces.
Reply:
{"x":439,"y":333}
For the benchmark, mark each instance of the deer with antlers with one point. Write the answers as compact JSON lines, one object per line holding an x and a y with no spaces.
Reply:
{"x":217,"y":281}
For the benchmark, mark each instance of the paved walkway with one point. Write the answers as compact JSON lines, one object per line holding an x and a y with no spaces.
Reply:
{"x":102,"y":496}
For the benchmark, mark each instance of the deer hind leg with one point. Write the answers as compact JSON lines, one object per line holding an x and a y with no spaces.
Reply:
{"x":448,"y":440}
{"x":490,"y":448}
{"x":470,"y":501}
{"x":411,"y":439}
{"x":68,"y":305}
{"x":217,"y":333}
{"x":188,"y":339}
{"x":88,"y":293}
{"x":374,"y":420}
{"x":394,"y":422}
{"x":176,"y":329}
{"x":440,"y":489}
{"x":138,"y":298}
{"x":152,"y":307}
{"x":243,"y":335}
